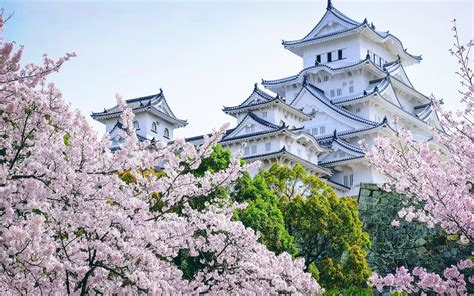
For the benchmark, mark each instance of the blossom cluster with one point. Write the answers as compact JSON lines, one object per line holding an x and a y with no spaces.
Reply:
{"x":437,"y":179}
{"x":71,"y":225}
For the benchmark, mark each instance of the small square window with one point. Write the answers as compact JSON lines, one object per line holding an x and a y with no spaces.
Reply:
{"x":136,"y":125}
{"x":319,"y":79}
{"x":339,"y":91}
{"x":322,"y":130}
{"x":339,"y":54}
{"x":358,"y":110}
{"x":264,"y":114}
{"x":314,"y":131}
{"x":344,"y":84}
{"x":346,"y":180}
{"x":351,"y":179}
{"x":268,"y":146}
{"x":247,"y":151}
{"x":351,"y":89}
{"x":331,"y":93}
{"x":318,"y":58}
{"x":326,"y":78}
{"x":254,"y":149}
{"x":329,"y":57}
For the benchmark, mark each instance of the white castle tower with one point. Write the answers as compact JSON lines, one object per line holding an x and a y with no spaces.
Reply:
{"x":153,"y":120}
{"x":352,"y":87}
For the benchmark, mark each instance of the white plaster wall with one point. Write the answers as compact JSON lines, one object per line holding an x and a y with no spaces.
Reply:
{"x":349,"y":45}
{"x":365,"y":44}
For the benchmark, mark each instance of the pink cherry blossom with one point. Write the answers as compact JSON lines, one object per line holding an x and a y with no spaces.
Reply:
{"x":436,"y":179}
{"x":71,"y":225}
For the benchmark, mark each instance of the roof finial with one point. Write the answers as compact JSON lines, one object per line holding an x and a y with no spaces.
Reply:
{"x":329,"y":5}
{"x":161,"y":91}
{"x":385,"y":120}
{"x":255,"y":86}
{"x":365,"y":21}
{"x":105,"y":110}
{"x":367,"y":56}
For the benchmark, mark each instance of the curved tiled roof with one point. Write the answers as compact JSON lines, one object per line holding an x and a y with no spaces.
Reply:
{"x":283,"y":151}
{"x":312,"y":89}
{"x":328,"y":138}
{"x":143,"y":104}
{"x":297,"y":76}
{"x":276,"y":100}
{"x":362,"y":26}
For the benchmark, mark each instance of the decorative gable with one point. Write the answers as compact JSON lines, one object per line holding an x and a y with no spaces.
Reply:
{"x":251,"y":124}
{"x":311,"y":99}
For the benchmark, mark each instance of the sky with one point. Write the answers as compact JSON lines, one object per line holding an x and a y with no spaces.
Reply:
{"x":206,"y":55}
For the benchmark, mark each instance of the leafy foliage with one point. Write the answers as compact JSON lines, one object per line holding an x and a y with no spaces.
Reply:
{"x":326,"y":229}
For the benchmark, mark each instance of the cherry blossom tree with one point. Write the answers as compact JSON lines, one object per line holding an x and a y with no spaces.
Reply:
{"x":71,"y":225}
{"x":436,"y":177}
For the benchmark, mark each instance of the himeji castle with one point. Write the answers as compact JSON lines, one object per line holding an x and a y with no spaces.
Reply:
{"x":352,"y":87}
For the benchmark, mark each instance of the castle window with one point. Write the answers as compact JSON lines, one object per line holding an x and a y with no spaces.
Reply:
{"x":268,"y":146}
{"x":322,"y":130}
{"x":342,"y":154}
{"x":254,"y":149}
{"x":358,"y":110}
{"x":318,"y":58}
{"x":339,"y":54}
{"x":264,"y":114}
{"x":166,"y":133}
{"x":329,"y":57}
{"x":314,"y":131}
{"x":349,"y":73}
{"x":339,"y":91}
{"x":351,"y":89}
{"x":348,"y":180}
{"x":136,"y":125}
{"x":247,"y":151}
{"x":249,"y":128}
{"x":326,"y":78}
{"x":154,"y":127}
{"x":319,"y":80}
{"x":331,"y":93}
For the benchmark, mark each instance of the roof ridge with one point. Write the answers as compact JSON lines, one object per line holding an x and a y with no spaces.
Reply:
{"x":340,"y":110}
{"x":262,"y":121}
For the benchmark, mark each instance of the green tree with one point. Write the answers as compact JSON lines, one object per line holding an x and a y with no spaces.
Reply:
{"x":326,"y":228}
{"x":263,"y":214}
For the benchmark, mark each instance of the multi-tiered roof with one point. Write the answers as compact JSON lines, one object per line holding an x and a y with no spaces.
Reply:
{"x":383,"y":95}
